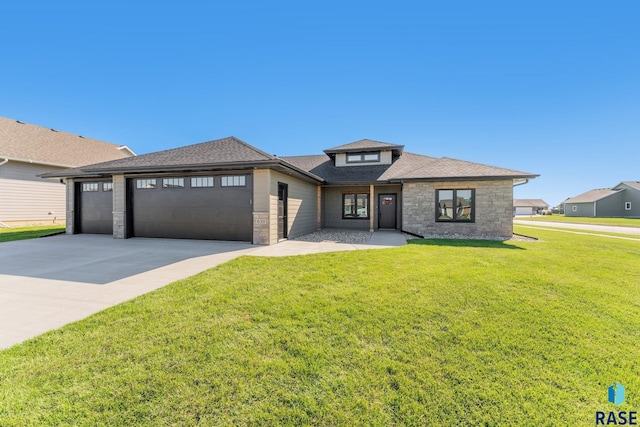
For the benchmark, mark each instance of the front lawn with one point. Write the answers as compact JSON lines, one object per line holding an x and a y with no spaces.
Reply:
{"x":442,"y":332}
{"x":625,"y":222}
{"x":22,"y":233}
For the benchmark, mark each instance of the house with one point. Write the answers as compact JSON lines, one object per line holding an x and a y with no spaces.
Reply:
{"x":623,"y":200}
{"x":27,"y":151}
{"x":529,"y":206}
{"x":229,"y":190}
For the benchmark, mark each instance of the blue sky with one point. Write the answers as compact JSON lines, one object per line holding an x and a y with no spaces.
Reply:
{"x":548,"y":87}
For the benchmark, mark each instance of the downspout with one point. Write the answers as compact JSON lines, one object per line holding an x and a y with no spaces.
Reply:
{"x":526,"y":181}
{"x":4,"y":162}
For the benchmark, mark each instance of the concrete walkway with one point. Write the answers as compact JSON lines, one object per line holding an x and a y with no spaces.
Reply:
{"x":49,"y":282}
{"x":585,"y":227}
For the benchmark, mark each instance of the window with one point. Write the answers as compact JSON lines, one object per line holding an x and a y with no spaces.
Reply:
{"x":574,"y":208}
{"x":201,"y":181}
{"x":233,"y":181}
{"x":455,"y":205}
{"x":145,"y":184}
{"x":355,"y":206}
{"x":173,"y":183}
{"x":90,"y":186}
{"x":363,"y":157}
{"x":107,"y":186}
{"x":627,"y":206}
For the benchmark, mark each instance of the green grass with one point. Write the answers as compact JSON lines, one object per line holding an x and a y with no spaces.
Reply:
{"x":440,"y":332}
{"x":626,"y":222}
{"x":22,"y":233}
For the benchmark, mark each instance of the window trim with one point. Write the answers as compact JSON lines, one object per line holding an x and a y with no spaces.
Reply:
{"x":356,"y":194}
{"x":362,"y":157}
{"x":85,"y":187}
{"x":140,"y":187}
{"x":226,"y":177}
{"x":211,"y":177}
{"x":170,"y":186}
{"x":455,"y":214}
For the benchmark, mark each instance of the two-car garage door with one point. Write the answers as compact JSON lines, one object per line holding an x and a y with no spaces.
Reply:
{"x":214,"y":207}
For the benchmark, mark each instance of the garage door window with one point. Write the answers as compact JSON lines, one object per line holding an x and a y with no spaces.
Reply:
{"x":90,"y":186}
{"x":145,"y":184}
{"x":201,"y":181}
{"x":107,"y":186}
{"x":173,"y":183}
{"x":233,"y":181}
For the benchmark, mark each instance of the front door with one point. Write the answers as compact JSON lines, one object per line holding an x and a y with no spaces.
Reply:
{"x":387,"y":211}
{"x":283,"y":190}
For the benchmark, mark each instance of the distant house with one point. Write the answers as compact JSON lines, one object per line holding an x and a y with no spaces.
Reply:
{"x":529,"y":206}
{"x":229,"y":190}
{"x":27,"y":151}
{"x":623,"y":200}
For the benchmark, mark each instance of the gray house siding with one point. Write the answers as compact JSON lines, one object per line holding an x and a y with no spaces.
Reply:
{"x":579,"y":209}
{"x":611,"y":206}
{"x":493,"y":209}
{"x":332,"y":208}
{"x":302,"y":206}
{"x":27,"y":198}
{"x":631,"y":195}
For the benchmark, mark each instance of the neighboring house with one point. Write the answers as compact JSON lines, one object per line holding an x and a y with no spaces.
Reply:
{"x":229,"y":190}
{"x":27,"y":151}
{"x":529,"y":206}
{"x":623,"y":200}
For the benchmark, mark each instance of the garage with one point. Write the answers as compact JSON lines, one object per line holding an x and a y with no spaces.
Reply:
{"x":95,"y":204}
{"x":207,"y":207}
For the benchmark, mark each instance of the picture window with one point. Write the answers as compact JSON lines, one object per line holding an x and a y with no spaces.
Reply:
{"x":355,"y":206}
{"x":455,"y":205}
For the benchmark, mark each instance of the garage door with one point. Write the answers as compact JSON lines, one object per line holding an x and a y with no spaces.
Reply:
{"x":524,"y":211}
{"x":96,"y":207}
{"x":192,"y":207}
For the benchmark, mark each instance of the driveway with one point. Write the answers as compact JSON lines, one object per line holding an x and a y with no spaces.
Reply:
{"x":583,"y":227}
{"x":49,"y":282}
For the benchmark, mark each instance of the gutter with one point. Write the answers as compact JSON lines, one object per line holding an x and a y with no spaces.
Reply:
{"x":4,"y":162}
{"x":526,"y":181}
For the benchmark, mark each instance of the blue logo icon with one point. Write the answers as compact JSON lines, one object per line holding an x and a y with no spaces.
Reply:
{"x":616,"y":394}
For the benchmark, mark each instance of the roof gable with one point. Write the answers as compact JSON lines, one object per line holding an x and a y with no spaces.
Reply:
{"x":635,"y":185}
{"x":26,"y":142}
{"x":365,"y":145}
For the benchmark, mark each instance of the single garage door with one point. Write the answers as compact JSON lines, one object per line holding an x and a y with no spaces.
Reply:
{"x":524,"y":211}
{"x":210,"y":207}
{"x":95,"y":207}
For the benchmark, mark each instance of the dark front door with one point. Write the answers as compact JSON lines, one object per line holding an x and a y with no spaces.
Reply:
{"x":387,"y":211}
{"x":283,"y":190}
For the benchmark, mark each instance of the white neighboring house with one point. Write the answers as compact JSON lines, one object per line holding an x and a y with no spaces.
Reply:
{"x":529,"y":206}
{"x":27,"y":151}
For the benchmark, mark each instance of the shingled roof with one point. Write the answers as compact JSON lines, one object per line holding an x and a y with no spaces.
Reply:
{"x":365,"y":145}
{"x":409,"y":166}
{"x":36,"y":144}
{"x":592,"y":195}
{"x":531,"y":203}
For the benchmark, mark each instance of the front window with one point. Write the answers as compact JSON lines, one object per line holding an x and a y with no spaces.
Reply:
{"x":455,"y":205}
{"x":363,"y":157}
{"x":355,"y":206}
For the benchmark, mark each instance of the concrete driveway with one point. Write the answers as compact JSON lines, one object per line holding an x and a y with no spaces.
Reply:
{"x":49,"y":282}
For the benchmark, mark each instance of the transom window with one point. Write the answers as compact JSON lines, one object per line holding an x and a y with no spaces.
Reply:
{"x":173,"y":183}
{"x":355,"y":205}
{"x":455,"y":205}
{"x":363,"y":157}
{"x":89,"y":186}
{"x":627,"y":206}
{"x":146,"y":184}
{"x":107,"y":186}
{"x":233,"y":181}
{"x":201,"y":181}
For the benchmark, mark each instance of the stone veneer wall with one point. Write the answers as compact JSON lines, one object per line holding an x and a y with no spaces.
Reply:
{"x":119,"y":207}
{"x":71,"y":206}
{"x":493,"y":209}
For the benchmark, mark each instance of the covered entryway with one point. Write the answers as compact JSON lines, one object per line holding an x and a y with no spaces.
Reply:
{"x":213,"y":207}
{"x":387,"y":211}
{"x":94,"y":207}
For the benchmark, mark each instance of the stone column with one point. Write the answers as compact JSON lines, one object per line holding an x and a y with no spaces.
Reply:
{"x":119,"y":207}
{"x":71,"y":206}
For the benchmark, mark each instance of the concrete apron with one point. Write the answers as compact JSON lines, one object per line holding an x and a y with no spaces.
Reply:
{"x":48,"y":283}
